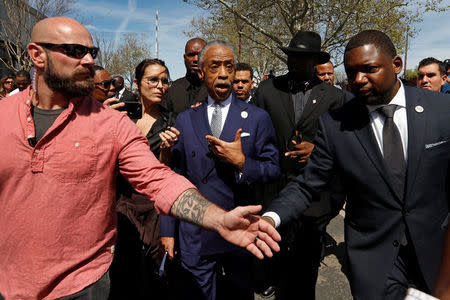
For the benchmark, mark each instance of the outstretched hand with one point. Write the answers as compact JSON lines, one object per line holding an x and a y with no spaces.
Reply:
{"x":242,"y":227}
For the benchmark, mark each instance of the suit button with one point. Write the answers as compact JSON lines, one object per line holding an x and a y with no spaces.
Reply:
{"x":193,"y":153}
{"x":204,"y":180}
{"x":396,"y":243}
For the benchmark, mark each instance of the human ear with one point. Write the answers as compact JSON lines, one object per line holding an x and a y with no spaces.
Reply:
{"x":37,"y":55}
{"x":397,"y":64}
{"x":200,"y":74}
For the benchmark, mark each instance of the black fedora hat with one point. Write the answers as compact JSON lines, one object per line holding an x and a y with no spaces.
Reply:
{"x":307,"y":42}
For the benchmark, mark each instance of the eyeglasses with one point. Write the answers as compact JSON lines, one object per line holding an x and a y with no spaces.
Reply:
{"x":106,"y":83}
{"x":153,"y":81}
{"x":73,"y":50}
{"x":9,"y":82}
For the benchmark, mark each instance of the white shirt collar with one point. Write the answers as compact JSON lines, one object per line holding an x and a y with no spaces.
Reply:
{"x":224,"y":103}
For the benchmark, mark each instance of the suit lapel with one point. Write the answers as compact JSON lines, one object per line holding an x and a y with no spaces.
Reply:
{"x":200,"y":124}
{"x":281,"y":87}
{"x":312,"y":103}
{"x":416,"y":135}
{"x":367,"y":139}
{"x":234,"y":120}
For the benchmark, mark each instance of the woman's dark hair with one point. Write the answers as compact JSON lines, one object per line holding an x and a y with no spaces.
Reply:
{"x":140,"y":69}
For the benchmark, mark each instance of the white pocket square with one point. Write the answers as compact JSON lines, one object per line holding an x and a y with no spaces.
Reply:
{"x":244,"y":134}
{"x":428,"y":146}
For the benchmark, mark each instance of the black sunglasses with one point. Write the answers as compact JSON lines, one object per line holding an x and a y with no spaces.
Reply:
{"x":106,"y":83}
{"x":72,"y":50}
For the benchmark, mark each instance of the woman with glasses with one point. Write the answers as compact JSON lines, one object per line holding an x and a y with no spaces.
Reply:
{"x":137,"y":253}
{"x":6,"y":86}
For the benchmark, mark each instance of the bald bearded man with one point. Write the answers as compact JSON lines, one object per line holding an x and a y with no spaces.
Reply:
{"x":60,"y":152}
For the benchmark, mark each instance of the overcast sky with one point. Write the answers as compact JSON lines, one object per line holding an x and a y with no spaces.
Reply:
{"x":118,"y":16}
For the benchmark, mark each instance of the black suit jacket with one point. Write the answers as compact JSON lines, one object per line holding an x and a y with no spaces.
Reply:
{"x":128,"y":96}
{"x":274,"y":96}
{"x":180,"y":95}
{"x":376,"y":217}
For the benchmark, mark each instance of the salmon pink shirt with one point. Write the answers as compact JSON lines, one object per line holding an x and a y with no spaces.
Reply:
{"x":57,"y":199}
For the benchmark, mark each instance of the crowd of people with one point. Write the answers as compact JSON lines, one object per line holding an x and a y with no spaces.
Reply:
{"x":110,"y":194}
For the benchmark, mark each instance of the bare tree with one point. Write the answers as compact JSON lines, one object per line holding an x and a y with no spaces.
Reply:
{"x":17,"y":18}
{"x":123,"y":58}
{"x":264,"y":26}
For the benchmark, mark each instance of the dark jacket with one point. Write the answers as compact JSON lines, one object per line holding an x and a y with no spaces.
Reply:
{"x":183,"y":93}
{"x":376,"y":216}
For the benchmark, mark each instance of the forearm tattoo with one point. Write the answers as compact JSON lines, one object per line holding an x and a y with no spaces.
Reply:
{"x":190,"y":207}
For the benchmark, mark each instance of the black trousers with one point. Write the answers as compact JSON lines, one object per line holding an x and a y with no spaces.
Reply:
{"x":405,"y":273}
{"x":99,"y":290}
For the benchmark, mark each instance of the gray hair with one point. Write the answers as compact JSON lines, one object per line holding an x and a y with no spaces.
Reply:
{"x":211,"y":44}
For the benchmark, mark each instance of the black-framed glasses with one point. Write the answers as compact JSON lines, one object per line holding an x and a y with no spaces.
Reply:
{"x":73,"y":50}
{"x":106,"y":83}
{"x":153,"y":81}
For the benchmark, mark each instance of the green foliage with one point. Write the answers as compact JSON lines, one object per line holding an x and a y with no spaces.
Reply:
{"x":263,"y":26}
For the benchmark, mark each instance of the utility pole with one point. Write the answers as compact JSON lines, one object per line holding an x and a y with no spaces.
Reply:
{"x":406,"y":51}
{"x":156,"y":34}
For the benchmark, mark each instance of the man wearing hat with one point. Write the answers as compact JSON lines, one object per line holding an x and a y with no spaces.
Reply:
{"x":294,"y":102}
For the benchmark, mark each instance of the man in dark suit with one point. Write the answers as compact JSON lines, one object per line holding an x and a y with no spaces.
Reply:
{"x":294,"y":102}
{"x":225,"y":146}
{"x":188,"y":90}
{"x":390,"y":147}
{"x":122,"y":93}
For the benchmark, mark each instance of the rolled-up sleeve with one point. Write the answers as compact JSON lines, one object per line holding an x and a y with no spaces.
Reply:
{"x":143,"y":171}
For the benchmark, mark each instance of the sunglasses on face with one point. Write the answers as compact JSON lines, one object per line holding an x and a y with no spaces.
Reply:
{"x":9,"y":82}
{"x":73,"y":50}
{"x":106,"y":83}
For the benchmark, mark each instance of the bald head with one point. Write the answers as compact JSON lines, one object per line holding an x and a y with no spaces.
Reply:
{"x":60,"y":30}
{"x":63,"y":54}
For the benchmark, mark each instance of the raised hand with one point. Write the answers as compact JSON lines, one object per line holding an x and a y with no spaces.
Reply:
{"x":114,"y":103}
{"x":229,"y":152}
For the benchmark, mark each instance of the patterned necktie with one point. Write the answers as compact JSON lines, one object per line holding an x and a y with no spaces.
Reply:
{"x":393,"y":149}
{"x":216,"y":120}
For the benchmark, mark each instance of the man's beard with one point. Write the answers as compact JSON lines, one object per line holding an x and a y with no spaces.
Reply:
{"x":68,"y":86}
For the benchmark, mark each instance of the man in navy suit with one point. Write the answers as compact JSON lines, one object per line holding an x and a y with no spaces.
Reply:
{"x":390,"y":146}
{"x":225,"y":146}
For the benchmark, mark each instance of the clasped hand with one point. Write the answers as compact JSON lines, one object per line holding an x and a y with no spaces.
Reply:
{"x":303,"y":152}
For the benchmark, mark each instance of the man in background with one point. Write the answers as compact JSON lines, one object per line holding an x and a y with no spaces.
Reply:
{"x":122,"y":93}
{"x":243,"y":82}
{"x":188,"y":90}
{"x":23,"y":80}
{"x":104,"y":87}
{"x":325,"y":72}
{"x":446,"y":86}
{"x":294,"y":102}
{"x":431,"y":74}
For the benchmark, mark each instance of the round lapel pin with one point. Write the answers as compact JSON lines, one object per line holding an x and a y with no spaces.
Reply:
{"x":419,"y":109}
{"x":244,"y":114}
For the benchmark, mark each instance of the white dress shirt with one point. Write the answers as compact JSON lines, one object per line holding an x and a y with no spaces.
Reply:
{"x":120,"y":93}
{"x":224,"y":107}
{"x":377,"y":122}
{"x":400,"y":120}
